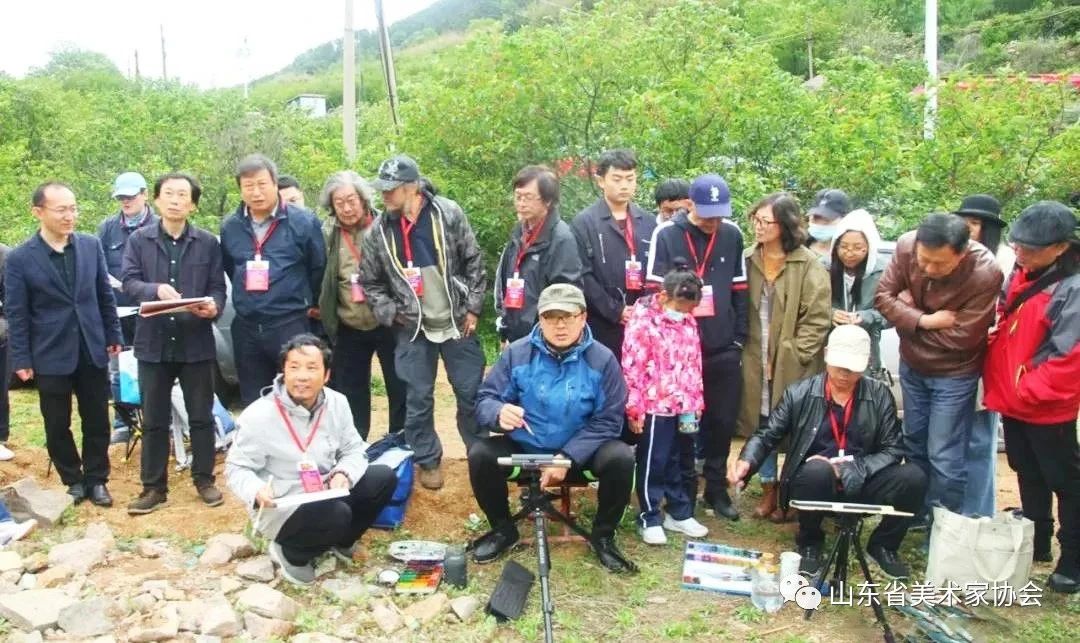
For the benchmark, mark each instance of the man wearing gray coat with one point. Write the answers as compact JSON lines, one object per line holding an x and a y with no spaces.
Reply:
{"x":300,"y":438}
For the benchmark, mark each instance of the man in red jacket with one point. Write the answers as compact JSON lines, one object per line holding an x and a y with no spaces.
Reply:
{"x":1032,"y":377}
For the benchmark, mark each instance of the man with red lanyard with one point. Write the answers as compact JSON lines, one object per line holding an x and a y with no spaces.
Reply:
{"x":423,"y":275}
{"x":709,"y":243}
{"x":613,"y":236}
{"x":274,"y":254}
{"x":346,"y":316}
{"x":846,"y":445}
{"x":300,"y":439}
{"x":541,"y":251}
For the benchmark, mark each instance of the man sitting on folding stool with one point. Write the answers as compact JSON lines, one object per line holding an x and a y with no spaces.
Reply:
{"x":555,"y":391}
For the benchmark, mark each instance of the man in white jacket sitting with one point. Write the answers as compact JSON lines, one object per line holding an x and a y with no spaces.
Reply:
{"x":300,"y":431}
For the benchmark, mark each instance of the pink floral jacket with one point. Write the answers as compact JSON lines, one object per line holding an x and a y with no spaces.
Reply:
{"x":661,"y":361}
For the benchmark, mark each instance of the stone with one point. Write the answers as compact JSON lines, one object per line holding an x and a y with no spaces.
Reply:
{"x":310,"y":637}
{"x":219,"y":619}
{"x":327,"y":565}
{"x":28,"y":581}
{"x":173,"y":594}
{"x":55,"y":576}
{"x":80,"y":555}
{"x":100,"y":531}
{"x":216,"y":555}
{"x":151,"y":548}
{"x":27,"y":499}
{"x":230,"y":585}
{"x":161,"y":626}
{"x":347,"y":590}
{"x":143,"y":602}
{"x":268,"y":602}
{"x":190,"y":613}
{"x":260,"y":569}
{"x":34,"y":609}
{"x":464,"y":606}
{"x":386,"y":617}
{"x":26,"y":637}
{"x":427,"y":609}
{"x":35,"y":562}
{"x":261,"y":629}
{"x":10,"y":561}
{"x":11,"y":577}
{"x":202,"y":638}
{"x":238,"y":544}
{"x":86,"y":618}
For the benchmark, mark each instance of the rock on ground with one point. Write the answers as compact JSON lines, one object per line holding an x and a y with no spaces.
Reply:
{"x":80,"y":555}
{"x":464,"y":606}
{"x":261,"y":629}
{"x":260,"y":569}
{"x":86,"y":618}
{"x":268,"y":602}
{"x":219,"y":619}
{"x":10,"y":561}
{"x":348,"y":590}
{"x":386,"y":617}
{"x":309,"y":637}
{"x":161,"y":626}
{"x":35,"y":609}
{"x":55,"y":576}
{"x":427,"y":609}
{"x":27,"y":499}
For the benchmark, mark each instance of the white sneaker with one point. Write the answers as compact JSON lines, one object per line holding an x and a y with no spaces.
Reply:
{"x":6,"y":453}
{"x":653,"y":535}
{"x":10,"y":531}
{"x":690,"y":527}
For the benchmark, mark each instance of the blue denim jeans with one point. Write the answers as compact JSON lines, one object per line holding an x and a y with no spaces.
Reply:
{"x":768,"y":471}
{"x":980,"y":493}
{"x":5,"y":515}
{"x":938,"y":414}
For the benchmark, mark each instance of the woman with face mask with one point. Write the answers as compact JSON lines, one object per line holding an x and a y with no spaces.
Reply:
{"x":789,"y":318}
{"x":829,"y":206}
{"x":854,"y":271}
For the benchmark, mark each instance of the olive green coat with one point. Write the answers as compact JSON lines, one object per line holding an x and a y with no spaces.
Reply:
{"x":800,"y":322}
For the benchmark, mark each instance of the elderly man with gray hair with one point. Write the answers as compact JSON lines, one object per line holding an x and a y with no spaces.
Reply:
{"x":346,"y":315}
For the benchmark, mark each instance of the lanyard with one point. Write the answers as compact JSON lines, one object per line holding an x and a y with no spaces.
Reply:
{"x":629,"y":232}
{"x":406,"y":228}
{"x":292,"y":432}
{"x":839,"y":431}
{"x":259,"y":244}
{"x":700,"y":265}
{"x":352,"y":247}
{"x":525,"y":243}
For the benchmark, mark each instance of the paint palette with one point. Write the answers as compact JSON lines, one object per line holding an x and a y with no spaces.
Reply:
{"x":420,"y":577}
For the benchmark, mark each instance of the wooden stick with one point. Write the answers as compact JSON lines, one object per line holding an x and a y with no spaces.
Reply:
{"x":258,"y":515}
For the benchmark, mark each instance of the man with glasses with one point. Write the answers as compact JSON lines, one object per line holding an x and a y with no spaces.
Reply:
{"x":555,"y":391}
{"x":62,"y":327}
{"x":541,"y":251}
{"x":129,"y":190}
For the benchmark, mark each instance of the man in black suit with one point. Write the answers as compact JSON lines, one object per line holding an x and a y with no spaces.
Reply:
{"x":62,"y":326}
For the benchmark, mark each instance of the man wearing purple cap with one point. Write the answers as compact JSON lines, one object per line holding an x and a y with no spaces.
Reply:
{"x":706,"y":241}
{"x":129,"y":190}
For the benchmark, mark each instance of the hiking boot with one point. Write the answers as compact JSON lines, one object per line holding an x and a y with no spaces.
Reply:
{"x":610,"y":557}
{"x":767,"y":505}
{"x":495,"y":544}
{"x":810,"y":561}
{"x":77,"y":492}
{"x":148,"y":500}
{"x":210,"y":495}
{"x":889,"y":561}
{"x":302,"y":575}
{"x":431,"y":477}
{"x":721,"y":504}
{"x":688,"y":527}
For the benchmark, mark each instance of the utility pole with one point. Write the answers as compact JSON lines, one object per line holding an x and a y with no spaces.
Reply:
{"x":164,"y":69}
{"x":137,"y":65}
{"x":930,"y":112}
{"x":810,"y":54}
{"x":388,"y":65}
{"x":348,"y":86}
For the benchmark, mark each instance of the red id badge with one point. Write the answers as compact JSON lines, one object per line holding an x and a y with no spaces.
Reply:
{"x":633,"y":275}
{"x":310,"y":478}
{"x":412,"y":275}
{"x":257,"y":276}
{"x":515,"y":293}
{"x":705,"y":307}
{"x":356,"y":290}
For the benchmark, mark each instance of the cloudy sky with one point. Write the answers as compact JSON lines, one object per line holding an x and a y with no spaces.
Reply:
{"x":204,"y":39}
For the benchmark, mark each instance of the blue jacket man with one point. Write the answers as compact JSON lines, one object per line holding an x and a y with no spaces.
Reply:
{"x":62,"y":327}
{"x":275,"y":255}
{"x":555,"y":391}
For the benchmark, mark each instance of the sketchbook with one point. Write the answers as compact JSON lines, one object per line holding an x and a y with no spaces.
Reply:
{"x":151,"y":308}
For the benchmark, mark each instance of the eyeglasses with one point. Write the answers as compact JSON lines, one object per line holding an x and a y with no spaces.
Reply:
{"x":758,"y":221}
{"x":72,"y":210}
{"x":559,"y":320}
{"x":851,"y":250}
{"x":341,"y":203}
{"x":520,"y":197}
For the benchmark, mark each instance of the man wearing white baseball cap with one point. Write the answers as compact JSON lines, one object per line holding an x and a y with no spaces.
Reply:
{"x":846,"y":445}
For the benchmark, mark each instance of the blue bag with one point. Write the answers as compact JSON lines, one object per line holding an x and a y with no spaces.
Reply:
{"x":392,"y":451}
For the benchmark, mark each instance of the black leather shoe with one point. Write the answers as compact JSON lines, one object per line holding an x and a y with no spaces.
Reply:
{"x":722,"y":506}
{"x":889,"y":561}
{"x":495,"y":544}
{"x":810,"y":562}
{"x":77,"y":491}
{"x":610,"y":556}
{"x":99,"y":495}
{"x":1063,"y":584}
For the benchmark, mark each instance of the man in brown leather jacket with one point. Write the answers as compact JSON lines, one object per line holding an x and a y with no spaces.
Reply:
{"x":939,"y":292}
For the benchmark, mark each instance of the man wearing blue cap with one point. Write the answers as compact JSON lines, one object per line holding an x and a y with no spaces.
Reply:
{"x":706,"y":241}
{"x":129,"y":189}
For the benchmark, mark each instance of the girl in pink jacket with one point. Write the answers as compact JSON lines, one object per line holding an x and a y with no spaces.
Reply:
{"x":661,"y":362}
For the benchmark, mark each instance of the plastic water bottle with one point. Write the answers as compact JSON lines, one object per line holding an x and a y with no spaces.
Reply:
{"x":765,"y":588}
